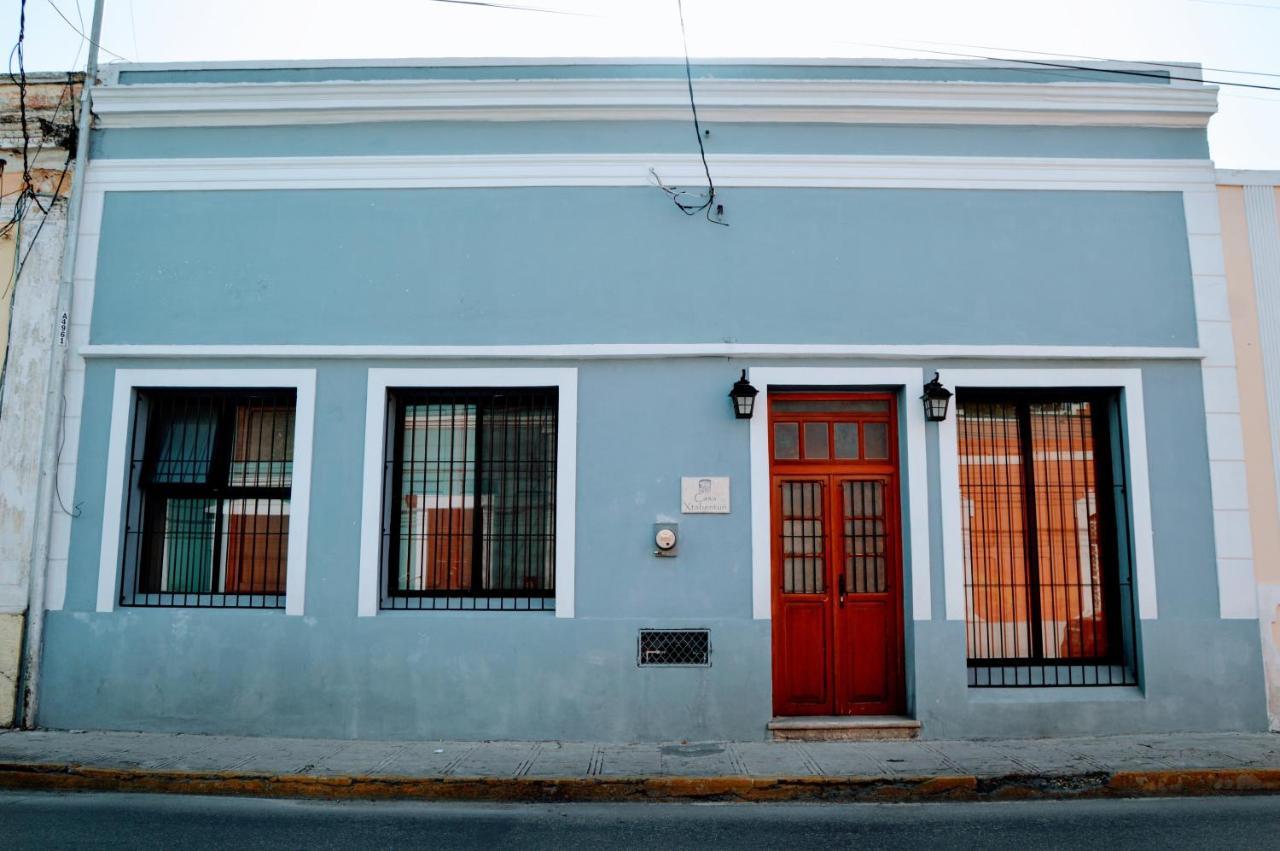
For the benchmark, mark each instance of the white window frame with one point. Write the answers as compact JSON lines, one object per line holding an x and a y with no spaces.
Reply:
{"x":909,"y":379}
{"x":1129,"y":382}
{"x":127,"y":384}
{"x":375,"y":429}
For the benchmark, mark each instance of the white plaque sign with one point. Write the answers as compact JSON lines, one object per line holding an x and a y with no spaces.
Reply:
{"x":704,"y":494}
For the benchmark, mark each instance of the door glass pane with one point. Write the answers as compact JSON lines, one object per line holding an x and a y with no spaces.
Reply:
{"x":822,"y":406}
{"x":846,"y":440}
{"x":876,"y":436}
{"x":864,"y":538}
{"x":803,"y":549}
{"x":815,"y":441}
{"x":786,"y":440}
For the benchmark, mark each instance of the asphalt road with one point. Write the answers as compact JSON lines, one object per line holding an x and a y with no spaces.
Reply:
{"x":61,"y":820}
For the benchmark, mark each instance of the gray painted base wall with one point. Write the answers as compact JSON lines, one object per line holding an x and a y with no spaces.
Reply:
{"x":420,"y":676}
{"x":454,"y":678}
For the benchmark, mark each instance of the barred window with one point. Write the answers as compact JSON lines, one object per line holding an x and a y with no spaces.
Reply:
{"x":469,"y":499}
{"x":1048,"y":583}
{"x":207,"y":517}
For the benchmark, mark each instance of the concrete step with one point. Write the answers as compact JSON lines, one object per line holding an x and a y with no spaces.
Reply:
{"x":844,"y":728}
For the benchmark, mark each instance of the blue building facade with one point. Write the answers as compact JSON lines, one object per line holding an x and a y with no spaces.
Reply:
{"x":386,"y":377}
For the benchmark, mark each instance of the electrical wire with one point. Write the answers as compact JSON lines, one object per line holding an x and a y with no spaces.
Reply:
{"x":515,"y":8}
{"x":1098,"y":58}
{"x":1093,"y":69}
{"x":707,"y":204}
{"x":80,"y":32}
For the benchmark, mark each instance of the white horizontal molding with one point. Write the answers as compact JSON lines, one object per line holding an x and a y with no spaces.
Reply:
{"x":644,"y":350}
{"x":1248,"y":177}
{"x":740,"y":170}
{"x":846,"y":101}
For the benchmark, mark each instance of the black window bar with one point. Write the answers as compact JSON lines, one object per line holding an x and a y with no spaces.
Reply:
{"x":1048,"y":573}
{"x":207,"y":511}
{"x":469,"y":508}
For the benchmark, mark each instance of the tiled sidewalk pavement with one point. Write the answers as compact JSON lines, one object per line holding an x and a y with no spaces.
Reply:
{"x":508,"y":760}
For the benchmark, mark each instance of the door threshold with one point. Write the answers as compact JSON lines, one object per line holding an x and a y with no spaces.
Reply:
{"x":843,"y":728}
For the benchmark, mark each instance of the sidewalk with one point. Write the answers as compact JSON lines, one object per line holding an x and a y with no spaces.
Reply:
{"x":1187,"y":764}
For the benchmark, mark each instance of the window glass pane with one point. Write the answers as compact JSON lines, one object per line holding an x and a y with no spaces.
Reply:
{"x":518,"y":480}
{"x":786,"y":441}
{"x":1073,"y":619}
{"x":992,"y":499}
{"x":437,"y":496}
{"x":185,"y":431}
{"x":207,"y":511}
{"x":815,"y":441}
{"x":256,"y":543}
{"x":182,"y":547}
{"x":262,"y":449}
{"x":476,"y":499}
{"x":876,"y":436}
{"x":846,"y":440}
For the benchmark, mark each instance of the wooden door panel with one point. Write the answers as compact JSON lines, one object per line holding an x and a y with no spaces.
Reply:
{"x":868,"y":625}
{"x":868,"y":678}
{"x":802,"y":598}
{"x":805,"y":672}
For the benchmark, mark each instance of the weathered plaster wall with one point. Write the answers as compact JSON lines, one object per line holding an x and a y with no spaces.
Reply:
{"x":22,"y":405}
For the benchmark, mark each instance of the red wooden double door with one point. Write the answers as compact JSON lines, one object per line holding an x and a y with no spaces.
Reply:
{"x":837,"y":555}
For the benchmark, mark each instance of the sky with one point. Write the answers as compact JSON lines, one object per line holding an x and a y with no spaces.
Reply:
{"x":1232,"y":35}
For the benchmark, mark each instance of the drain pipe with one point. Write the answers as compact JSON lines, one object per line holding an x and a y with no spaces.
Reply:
{"x":50,"y":445}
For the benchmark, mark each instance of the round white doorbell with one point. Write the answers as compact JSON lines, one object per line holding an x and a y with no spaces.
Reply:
{"x":665,"y":539}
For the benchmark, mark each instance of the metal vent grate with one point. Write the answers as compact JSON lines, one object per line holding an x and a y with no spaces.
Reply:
{"x":688,"y":647}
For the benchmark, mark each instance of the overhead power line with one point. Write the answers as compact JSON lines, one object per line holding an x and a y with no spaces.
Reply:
{"x":512,"y":8}
{"x":1124,"y":72}
{"x":1098,"y":58}
{"x":80,"y":32}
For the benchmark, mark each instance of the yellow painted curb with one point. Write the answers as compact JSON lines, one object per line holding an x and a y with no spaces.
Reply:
{"x":68,"y":777}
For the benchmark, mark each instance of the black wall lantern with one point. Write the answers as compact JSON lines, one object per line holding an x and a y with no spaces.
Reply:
{"x":935,"y":399}
{"x":744,"y":397}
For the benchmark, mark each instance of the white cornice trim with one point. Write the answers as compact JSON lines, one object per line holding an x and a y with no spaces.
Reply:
{"x":742,"y":170}
{"x":842,"y":101}
{"x":645,"y":350}
{"x":1248,"y":177}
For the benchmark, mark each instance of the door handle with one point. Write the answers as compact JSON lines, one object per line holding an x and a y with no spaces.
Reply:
{"x":840,"y":589}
